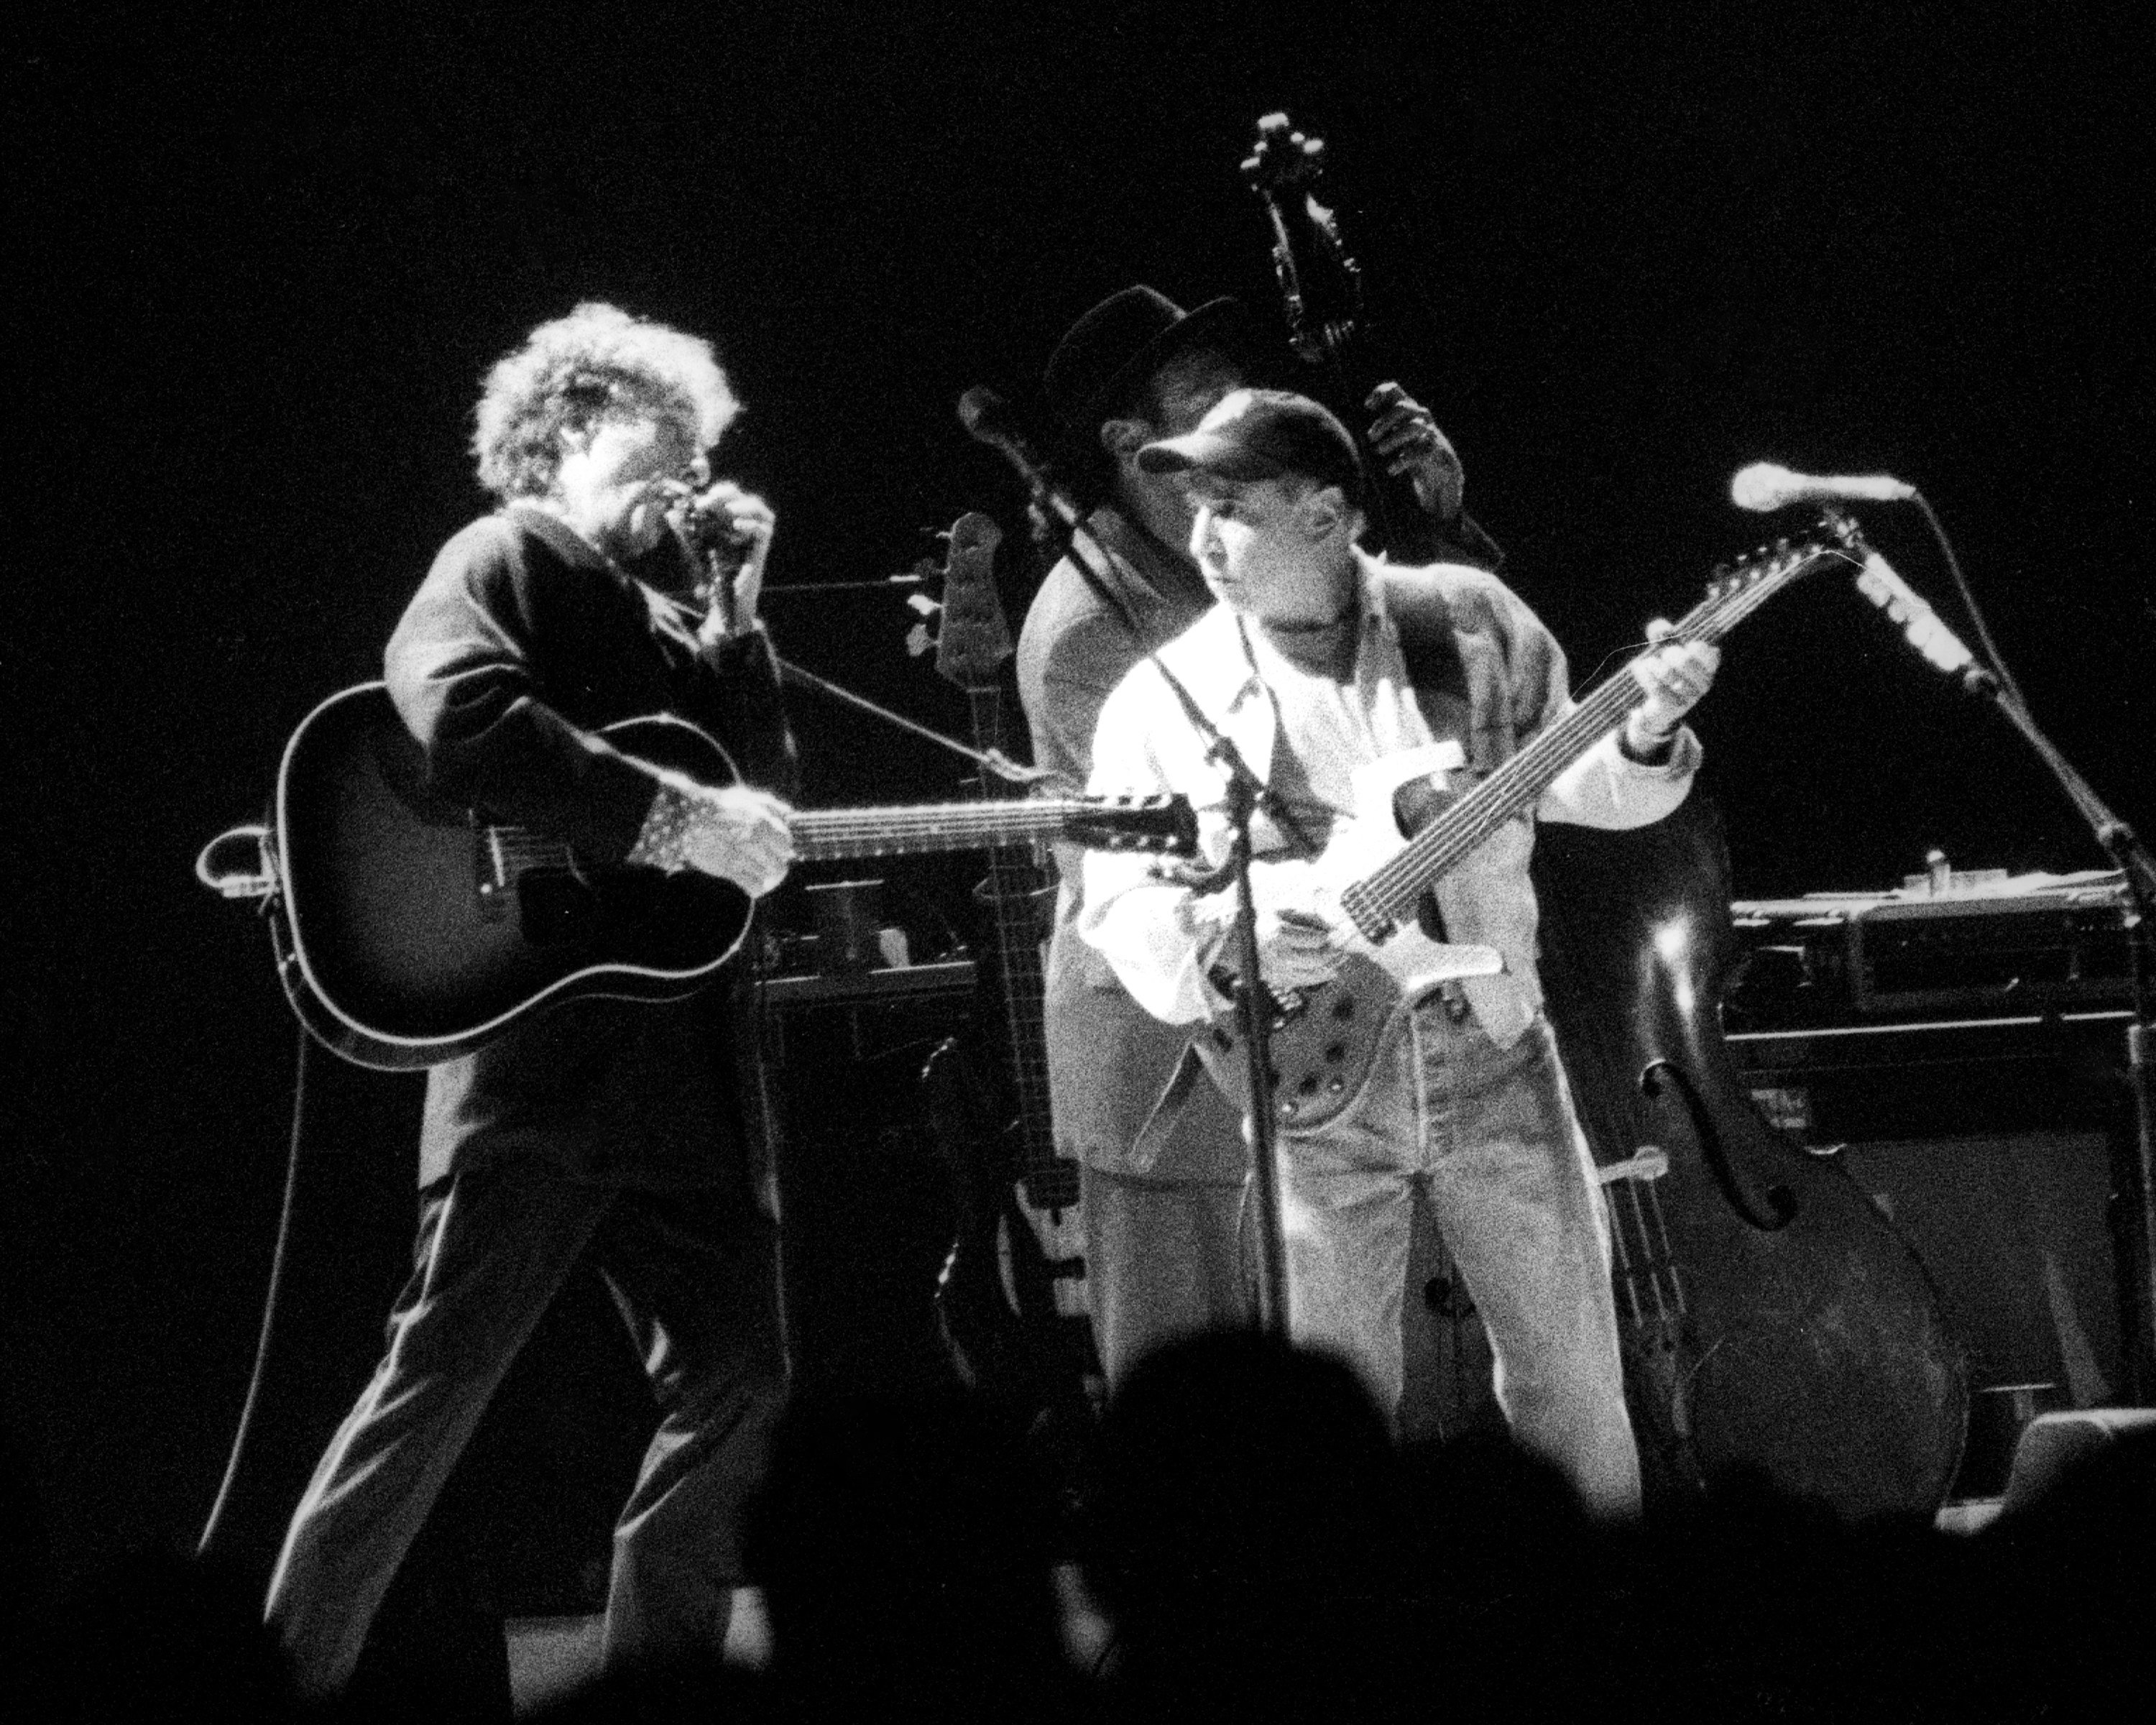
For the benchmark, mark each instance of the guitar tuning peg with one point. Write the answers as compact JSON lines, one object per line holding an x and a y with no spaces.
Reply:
{"x":919,"y":641}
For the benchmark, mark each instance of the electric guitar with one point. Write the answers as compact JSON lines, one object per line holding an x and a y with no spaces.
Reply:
{"x":1014,"y":1291}
{"x":1372,"y":883}
{"x":411,"y":929}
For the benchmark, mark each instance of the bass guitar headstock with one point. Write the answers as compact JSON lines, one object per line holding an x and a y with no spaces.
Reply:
{"x":1321,"y":285}
{"x":972,"y":641}
{"x":1738,"y":588}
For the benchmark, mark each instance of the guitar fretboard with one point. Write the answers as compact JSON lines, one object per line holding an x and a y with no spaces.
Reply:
{"x":821,"y":834}
{"x":1384,"y":899}
{"x":1015,"y":883}
{"x":832,"y":833}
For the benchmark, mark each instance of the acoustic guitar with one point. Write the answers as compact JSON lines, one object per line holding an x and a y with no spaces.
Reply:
{"x":411,"y":929}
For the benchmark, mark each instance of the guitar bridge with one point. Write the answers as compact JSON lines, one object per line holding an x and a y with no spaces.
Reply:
{"x":490,"y":870}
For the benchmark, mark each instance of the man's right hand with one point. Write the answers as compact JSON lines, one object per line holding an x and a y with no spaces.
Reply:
{"x":1296,"y":950}
{"x":739,"y":834}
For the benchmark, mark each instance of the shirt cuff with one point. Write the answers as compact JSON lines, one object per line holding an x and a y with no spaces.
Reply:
{"x":663,"y":841}
{"x":1677,"y":753}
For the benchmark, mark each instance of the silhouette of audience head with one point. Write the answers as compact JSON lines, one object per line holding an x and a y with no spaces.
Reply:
{"x":1245,"y":1530}
{"x":901,"y":1543}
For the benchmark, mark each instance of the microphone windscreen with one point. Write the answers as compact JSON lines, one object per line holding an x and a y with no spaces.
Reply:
{"x":981,"y":409}
{"x":1762,"y":486}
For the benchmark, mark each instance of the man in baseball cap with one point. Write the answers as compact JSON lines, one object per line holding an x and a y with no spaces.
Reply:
{"x":1334,"y":674}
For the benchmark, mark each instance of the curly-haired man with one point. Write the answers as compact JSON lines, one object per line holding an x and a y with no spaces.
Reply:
{"x":599,"y":1127}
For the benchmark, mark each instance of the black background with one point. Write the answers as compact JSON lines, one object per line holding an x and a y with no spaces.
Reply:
{"x":1620,"y":251}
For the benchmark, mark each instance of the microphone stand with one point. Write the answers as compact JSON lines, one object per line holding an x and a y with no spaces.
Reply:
{"x":2135,"y":864}
{"x":1246,"y":791}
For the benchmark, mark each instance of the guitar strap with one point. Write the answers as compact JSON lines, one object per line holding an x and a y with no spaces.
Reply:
{"x":1274,"y":805}
{"x":1430,"y":652}
{"x":1481,"y":670}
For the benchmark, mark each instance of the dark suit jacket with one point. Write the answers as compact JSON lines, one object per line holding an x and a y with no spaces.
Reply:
{"x":521,"y":642}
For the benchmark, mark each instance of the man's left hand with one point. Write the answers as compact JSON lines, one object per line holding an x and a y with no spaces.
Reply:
{"x":1405,"y":436}
{"x":752,"y":521}
{"x":1675,"y":675}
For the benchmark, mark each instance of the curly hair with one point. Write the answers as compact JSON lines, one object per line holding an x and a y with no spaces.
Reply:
{"x":597,"y":363}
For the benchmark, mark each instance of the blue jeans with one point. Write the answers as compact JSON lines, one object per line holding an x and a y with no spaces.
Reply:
{"x":1165,"y":1260}
{"x":1490,"y":1133}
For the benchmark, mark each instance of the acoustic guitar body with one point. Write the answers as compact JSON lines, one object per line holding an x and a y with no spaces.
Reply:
{"x":419,"y":932}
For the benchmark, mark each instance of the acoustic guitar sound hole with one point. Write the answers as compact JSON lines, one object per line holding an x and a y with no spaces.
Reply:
{"x":553,"y":906}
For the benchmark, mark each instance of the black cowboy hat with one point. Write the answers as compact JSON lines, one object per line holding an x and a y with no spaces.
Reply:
{"x":1128,"y":336}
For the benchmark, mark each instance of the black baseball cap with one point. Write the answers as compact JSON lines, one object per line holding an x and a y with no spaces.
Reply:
{"x":1262,"y":434}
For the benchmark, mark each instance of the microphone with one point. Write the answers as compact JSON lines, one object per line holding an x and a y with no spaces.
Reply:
{"x":1878,"y":582}
{"x":1763,"y":486}
{"x":987,"y":419}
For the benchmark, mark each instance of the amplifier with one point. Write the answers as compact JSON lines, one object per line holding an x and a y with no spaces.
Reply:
{"x":864,"y":1185}
{"x":1986,"y":943}
{"x":1992,"y":1145}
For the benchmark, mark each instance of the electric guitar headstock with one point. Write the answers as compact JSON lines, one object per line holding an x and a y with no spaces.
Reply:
{"x":1321,"y":285}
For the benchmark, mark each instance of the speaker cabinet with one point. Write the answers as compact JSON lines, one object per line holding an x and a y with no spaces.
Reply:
{"x":1994,"y":1146}
{"x":2014,"y":1230}
{"x":864,"y":1185}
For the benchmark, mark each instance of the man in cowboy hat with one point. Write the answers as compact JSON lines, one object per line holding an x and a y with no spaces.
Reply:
{"x":1162,"y":1175}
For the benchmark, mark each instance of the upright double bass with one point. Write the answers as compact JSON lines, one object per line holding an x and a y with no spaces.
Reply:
{"x":1776,"y":1327}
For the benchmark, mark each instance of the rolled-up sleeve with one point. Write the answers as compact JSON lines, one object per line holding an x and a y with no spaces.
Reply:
{"x":1606,"y":788}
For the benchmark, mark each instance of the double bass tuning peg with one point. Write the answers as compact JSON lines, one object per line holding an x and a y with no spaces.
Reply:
{"x":1282,"y":155}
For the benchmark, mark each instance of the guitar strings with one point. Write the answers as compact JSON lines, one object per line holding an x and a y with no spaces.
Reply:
{"x":817,"y":831}
{"x":1389,"y":893}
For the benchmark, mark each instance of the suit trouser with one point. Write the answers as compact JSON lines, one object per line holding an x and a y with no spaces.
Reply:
{"x":1491,"y":1135}
{"x":693,"y":1274}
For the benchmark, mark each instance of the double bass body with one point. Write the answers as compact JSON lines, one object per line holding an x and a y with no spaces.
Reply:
{"x":1776,"y":1326}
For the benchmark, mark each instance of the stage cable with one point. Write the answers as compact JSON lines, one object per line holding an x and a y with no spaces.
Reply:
{"x":270,"y":1301}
